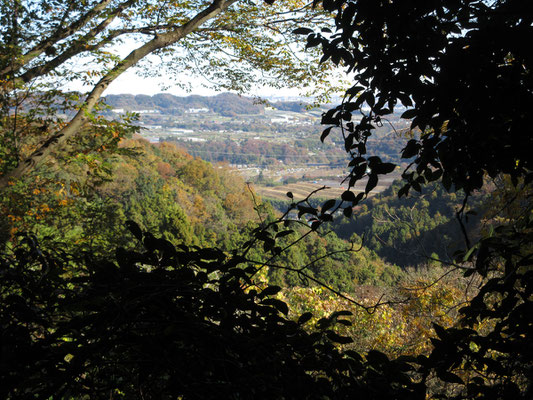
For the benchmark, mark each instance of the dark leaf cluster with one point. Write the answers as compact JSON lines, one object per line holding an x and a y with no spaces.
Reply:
{"x":461,"y":68}
{"x":165,"y":323}
{"x":490,"y":355}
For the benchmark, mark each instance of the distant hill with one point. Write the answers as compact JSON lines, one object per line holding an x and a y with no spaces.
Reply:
{"x":296,"y":106}
{"x":227,"y":104}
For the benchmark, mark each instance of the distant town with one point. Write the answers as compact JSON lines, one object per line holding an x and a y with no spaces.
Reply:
{"x":271,"y":143}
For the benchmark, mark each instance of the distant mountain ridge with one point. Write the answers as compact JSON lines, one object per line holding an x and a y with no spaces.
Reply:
{"x":226,"y":104}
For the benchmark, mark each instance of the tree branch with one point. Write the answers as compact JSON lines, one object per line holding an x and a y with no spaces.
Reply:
{"x":82,"y":116}
{"x":58,"y":35}
{"x":78,"y":46}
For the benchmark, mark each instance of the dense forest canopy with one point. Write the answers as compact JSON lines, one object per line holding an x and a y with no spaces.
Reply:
{"x":134,"y":270}
{"x":222,"y":103}
{"x":409,"y":231}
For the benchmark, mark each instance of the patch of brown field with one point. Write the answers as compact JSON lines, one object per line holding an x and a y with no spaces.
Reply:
{"x":301,"y":190}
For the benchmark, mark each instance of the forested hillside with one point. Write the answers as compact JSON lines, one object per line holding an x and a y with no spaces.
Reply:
{"x":422,"y":228}
{"x":162,"y":188}
{"x":227,"y":104}
{"x":134,"y":269}
{"x":262,"y":152}
{"x":182,"y":199}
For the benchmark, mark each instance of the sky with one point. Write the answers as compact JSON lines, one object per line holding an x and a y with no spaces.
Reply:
{"x":129,"y":82}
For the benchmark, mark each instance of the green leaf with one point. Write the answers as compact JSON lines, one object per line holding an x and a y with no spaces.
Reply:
{"x":404,"y":191}
{"x":270,"y":291}
{"x":440,"y":331}
{"x":447,"y":376}
{"x":411,"y":149}
{"x":269,"y":244}
{"x":306,"y":210}
{"x":133,"y":227}
{"x":277,"y":304}
{"x":327,"y":205}
{"x":383,"y":168}
{"x":340,"y":313}
{"x":377,"y":358}
{"x":470,"y":252}
{"x":348,"y":196}
{"x":323,"y":323}
{"x":325,"y":134}
{"x":372,"y":182}
{"x":409,"y":113}
{"x":356,"y":161}
{"x":284,"y":233}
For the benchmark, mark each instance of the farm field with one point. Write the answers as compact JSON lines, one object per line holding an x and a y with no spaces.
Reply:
{"x":300,"y":190}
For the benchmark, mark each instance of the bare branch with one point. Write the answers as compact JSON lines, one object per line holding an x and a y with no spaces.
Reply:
{"x":370,"y":309}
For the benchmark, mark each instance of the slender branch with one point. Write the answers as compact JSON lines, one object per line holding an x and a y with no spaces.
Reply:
{"x":254,"y":199}
{"x":459,"y":216}
{"x":78,"y":46}
{"x":328,"y":255}
{"x":429,"y":285}
{"x":370,"y":309}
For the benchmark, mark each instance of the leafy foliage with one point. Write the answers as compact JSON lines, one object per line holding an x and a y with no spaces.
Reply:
{"x":332,"y":261}
{"x":223,"y":40}
{"x":161,"y":187}
{"x":166,"y":321}
{"x":169,"y":322}
{"x":402,"y":323}
{"x":260,"y":152}
{"x":495,"y":362}
{"x":465,"y":77}
{"x":459,"y":67}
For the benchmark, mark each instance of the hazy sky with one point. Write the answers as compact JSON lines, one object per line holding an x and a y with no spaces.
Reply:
{"x":130,"y":82}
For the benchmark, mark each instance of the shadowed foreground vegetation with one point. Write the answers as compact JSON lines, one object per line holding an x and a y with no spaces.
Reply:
{"x":183,"y":303}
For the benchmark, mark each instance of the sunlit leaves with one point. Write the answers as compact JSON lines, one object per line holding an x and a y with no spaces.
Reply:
{"x":402,"y":328}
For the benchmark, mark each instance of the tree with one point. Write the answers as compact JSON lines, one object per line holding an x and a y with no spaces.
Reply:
{"x":464,"y":72}
{"x":461,"y":68}
{"x":188,"y":322}
{"x":44,"y":43}
{"x":167,"y":323}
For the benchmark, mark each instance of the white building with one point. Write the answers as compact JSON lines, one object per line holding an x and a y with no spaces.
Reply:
{"x":197,"y":110}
